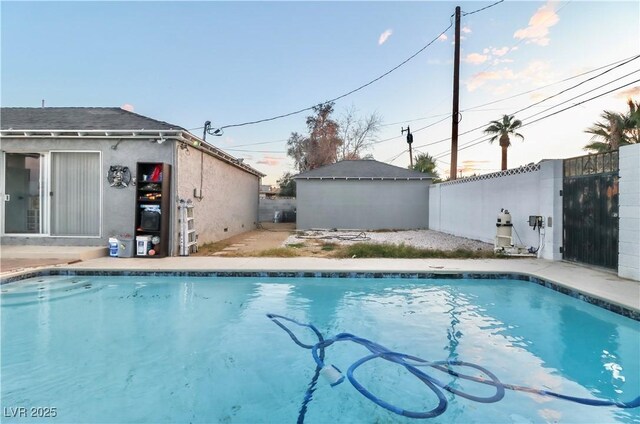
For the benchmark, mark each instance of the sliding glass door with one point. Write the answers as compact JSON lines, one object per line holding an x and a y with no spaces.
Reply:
{"x":23,"y":193}
{"x":75,"y":194}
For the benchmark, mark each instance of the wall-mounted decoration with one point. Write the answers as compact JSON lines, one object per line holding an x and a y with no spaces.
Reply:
{"x":119,"y":176}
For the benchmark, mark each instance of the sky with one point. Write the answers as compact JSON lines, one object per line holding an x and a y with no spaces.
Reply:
{"x":236,"y":62}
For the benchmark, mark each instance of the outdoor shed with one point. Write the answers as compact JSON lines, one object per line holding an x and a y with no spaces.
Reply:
{"x":362,"y":194}
{"x":79,"y":176}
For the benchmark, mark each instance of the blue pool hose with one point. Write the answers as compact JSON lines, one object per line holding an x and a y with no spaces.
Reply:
{"x":411,"y":363}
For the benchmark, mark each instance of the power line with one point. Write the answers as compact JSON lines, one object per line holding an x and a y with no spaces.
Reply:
{"x":443,"y":154}
{"x":416,"y":119}
{"x":617,"y":63}
{"x":345,"y":94}
{"x":584,"y":101}
{"x":582,"y":94}
{"x":563,"y":91}
{"x":476,"y":107}
{"x":546,"y":86}
{"x":261,"y":142}
{"x":254,"y":151}
{"x":577,"y":85}
{"x":480,"y":10}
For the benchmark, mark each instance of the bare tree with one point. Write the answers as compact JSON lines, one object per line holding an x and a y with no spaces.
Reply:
{"x":357,"y":134}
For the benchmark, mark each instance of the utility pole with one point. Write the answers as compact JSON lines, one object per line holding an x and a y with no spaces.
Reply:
{"x":453,"y":171}
{"x":409,"y":141}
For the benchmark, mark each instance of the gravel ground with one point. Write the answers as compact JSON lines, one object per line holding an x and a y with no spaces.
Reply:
{"x":425,"y":239}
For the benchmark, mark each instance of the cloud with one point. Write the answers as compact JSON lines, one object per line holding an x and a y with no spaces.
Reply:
{"x":384,"y":36}
{"x":537,"y":73}
{"x":469,"y":166}
{"x":481,"y":78}
{"x":443,"y":37}
{"x":270,"y":161}
{"x":466,"y":30}
{"x":631,"y":92}
{"x":499,"y":52}
{"x":539,"y":24}
{"x":127,"y":107}
{"x":476,"y":58}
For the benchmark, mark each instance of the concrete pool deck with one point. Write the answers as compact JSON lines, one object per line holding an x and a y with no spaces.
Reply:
{"x":596,"y":283}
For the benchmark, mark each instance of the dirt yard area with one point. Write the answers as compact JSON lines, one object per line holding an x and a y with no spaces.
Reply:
{"x":268,"y":236}
{"x":282,"y":240}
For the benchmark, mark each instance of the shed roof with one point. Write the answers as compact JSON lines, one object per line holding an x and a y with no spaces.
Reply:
{"x":363,"y":169}
{"x":78,"y":118}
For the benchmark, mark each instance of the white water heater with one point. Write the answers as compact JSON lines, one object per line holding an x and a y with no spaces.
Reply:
{"x":503,"y":230}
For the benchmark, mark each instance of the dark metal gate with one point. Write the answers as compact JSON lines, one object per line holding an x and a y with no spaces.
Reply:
{"x":590,"y":209}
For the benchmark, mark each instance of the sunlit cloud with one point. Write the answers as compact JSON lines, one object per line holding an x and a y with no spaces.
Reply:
{"x":499,"y":52}
{"x":538,"y":30}
{"x":270,"y":161}
{"x":471,"y":166}
{"x":128,"y":107}
{"x":384,"y":37}
{"x":537,"y":73}
{"x":481,"y":78}
{"x":476,"y":58}
{"x":466,"y":30}
{"x":629,"y":93}
{"x":443,"y":37}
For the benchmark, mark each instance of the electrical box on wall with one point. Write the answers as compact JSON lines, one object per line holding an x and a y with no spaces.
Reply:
{"x":535,"y":221}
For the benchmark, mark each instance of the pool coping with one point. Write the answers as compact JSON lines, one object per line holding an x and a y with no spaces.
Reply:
{"x":625,"y":309}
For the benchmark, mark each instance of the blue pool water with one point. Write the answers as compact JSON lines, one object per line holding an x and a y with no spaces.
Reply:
{"x":199,"y":349}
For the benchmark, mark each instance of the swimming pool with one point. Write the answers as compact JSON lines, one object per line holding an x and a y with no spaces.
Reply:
{"x":202,"y":349}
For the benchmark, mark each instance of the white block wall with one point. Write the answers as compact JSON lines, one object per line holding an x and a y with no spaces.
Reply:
{"x":470,"y":209}
{"x":629,"y":198}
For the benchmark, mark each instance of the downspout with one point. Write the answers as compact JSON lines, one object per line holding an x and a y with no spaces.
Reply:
{"x":257,"y":222}
{"x":175,"y":195}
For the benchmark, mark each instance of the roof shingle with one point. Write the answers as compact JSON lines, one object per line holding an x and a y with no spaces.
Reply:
{"x":78,"y":118}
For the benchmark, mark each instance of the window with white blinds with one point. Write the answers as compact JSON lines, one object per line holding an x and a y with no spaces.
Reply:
{"x":75,"y":194}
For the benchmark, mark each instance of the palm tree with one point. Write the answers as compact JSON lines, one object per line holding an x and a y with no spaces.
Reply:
{"x":501,"y":130}
{"x":426,"y":163}
{"x":634,"y":115}
{"x":616,"y":130}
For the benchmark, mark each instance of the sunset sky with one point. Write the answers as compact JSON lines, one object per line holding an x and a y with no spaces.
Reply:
{"x":234,"y":62}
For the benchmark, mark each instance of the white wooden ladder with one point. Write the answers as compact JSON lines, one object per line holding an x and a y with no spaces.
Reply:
{"x":188,"y":236}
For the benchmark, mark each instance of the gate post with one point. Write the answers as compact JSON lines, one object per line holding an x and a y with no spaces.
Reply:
{"x":629,"y":197}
